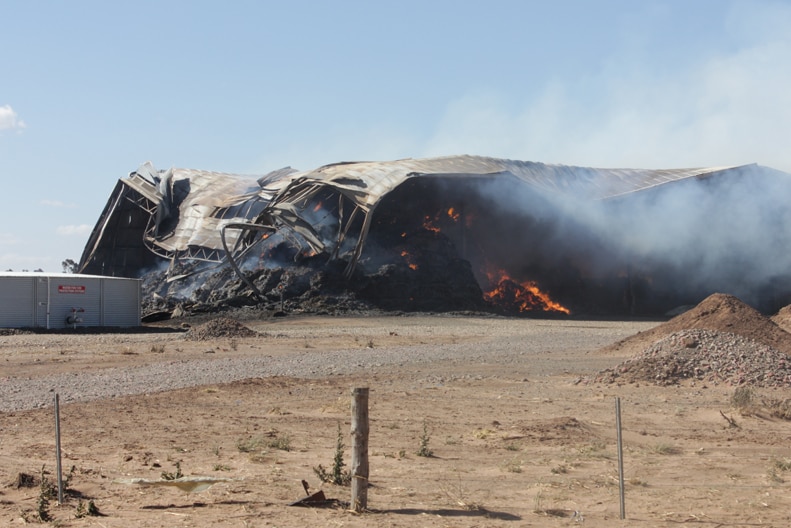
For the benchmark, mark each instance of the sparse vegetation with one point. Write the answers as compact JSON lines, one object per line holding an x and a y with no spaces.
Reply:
{"x":513,"y":466}
{"x":482,"y":434}
{"x":783,"y":464}
{"x":166,"y":475}
{"x":158,"y":349}
{"x":458,"y":497}
{"x":88,"y":509}
{"x":666,"y":449}
{"x":538,"y":500}
{"x":779,"y":408}
{"x":47,"y":492}
{"x":337,"y":476}
{"x":257,"y":444}
{"x":743,"y":400}
{"x":424,"y":450}
{"x":283,"y":443}
{"x":779,"y":465}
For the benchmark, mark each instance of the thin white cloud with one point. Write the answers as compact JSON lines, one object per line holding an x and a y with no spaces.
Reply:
{"x":9,"y":119}
{"x":7,"y":239}
{"x":74,"y":230}
{"x":57,"y":203}
{"x":729,"y":109}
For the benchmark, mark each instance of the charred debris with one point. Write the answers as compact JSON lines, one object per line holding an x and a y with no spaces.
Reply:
{"x":450,"y":234}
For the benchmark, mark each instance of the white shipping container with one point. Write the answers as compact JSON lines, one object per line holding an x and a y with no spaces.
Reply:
{"x":65,"y":300}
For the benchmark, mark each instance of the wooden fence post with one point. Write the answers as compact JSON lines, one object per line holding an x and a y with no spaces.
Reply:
{"x":57,"y":449}
{"x":359,"y":467}
{"x":620,"y":457}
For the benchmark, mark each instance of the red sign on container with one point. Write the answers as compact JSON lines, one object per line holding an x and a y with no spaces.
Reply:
{"x":68,"y":288}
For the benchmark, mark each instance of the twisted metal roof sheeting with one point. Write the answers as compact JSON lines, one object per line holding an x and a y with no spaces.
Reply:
{"x":215,"y":200}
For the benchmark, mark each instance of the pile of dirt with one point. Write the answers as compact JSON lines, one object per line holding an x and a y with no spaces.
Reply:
{"x":222,"y":327}
{"x":708,"y":356}
{"x":721,"y":339}
{"x":718,"y":312}
{"x":783,"y":318}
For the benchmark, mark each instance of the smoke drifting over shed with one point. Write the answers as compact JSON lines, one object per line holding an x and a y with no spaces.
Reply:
{"x":449,"y":234}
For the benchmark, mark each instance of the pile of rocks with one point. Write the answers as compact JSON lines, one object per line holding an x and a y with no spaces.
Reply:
{"x":721,"y":340}
{"x":706,"y":355}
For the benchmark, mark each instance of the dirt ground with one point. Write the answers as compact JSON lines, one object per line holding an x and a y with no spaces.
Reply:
{"x":524,"y":442}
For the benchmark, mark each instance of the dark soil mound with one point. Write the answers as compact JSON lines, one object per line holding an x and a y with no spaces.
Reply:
{"x":219,"y":328}
{"x":718,"y":312}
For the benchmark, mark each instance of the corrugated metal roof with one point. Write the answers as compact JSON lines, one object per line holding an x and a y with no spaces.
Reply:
{"x":196,"y":205}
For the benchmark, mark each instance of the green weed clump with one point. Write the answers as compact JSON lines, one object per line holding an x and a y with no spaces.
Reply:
{"x":337,"y":476}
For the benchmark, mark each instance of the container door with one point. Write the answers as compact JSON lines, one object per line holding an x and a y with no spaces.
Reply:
{"x":42,"y":301}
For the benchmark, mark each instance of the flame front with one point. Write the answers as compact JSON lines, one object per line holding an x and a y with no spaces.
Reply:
{"x":525,"y":296}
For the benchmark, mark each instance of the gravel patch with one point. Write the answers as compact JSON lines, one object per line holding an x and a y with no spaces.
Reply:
{"x":498,"y":342}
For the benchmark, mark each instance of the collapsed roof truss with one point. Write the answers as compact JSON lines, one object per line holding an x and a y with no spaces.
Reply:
{"x":184,"y":214}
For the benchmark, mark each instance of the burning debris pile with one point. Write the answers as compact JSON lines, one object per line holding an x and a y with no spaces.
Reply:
{"x":722,"y":340}
{"x":460,"y":233}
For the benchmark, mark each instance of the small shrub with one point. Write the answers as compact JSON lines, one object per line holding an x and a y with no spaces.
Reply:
{"x":338,"y":476}
{"x":743,"y":400}
{"x":282,"y":443}
{"x":250,"y":445}
{"x":166,"y":475}
{"x":779,"y":408}
{"x":47,"y":492}
{"x":666,"y":449}
{"x":87,"y":510}
{"x":424,"y":450}
{"x":783,"y":464}
{"x":158,"y":349}
{"x":513,"y":466}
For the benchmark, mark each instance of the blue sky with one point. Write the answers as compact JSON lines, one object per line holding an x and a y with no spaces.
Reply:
{"x":89,"y":90}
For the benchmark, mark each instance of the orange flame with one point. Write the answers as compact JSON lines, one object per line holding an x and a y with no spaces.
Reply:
{"x":429,"y":226}
{"x":525,"y":296}
{"x":453,"y":214}
{"x":409,"y":260}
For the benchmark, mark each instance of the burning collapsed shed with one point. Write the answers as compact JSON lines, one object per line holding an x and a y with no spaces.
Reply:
{"x":451,"y":233}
